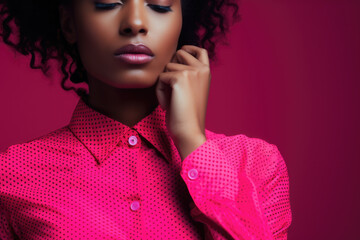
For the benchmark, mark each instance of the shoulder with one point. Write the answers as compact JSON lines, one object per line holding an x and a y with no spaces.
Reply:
{"x":22,"y":154}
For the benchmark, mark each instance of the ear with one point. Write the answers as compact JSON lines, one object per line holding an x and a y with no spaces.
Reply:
{"x":67,"y":24}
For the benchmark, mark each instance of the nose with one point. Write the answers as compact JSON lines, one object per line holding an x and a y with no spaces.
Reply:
{"x":133,"y":19}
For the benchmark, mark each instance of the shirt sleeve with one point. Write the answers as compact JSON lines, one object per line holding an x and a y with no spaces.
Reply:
{"x":239,"y":193}
{"x":5,"y":228}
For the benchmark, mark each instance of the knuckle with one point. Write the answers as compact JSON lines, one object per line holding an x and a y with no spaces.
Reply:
{"x":205,"y":69}
{"x":185,"y":73}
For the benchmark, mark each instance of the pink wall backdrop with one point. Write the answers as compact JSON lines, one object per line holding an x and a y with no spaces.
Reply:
{"x":289,"y":76}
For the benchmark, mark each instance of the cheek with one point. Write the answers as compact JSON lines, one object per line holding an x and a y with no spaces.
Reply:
{"x":90,"y":41}
{"x":93,"y":46}
{"x":93,"y":32}
{"x":166,"y":34}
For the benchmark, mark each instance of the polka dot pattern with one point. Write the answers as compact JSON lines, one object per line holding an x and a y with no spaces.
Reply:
{"x":97,"y":178}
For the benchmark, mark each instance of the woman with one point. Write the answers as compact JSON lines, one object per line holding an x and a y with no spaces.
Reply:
{"x":135,"y":161}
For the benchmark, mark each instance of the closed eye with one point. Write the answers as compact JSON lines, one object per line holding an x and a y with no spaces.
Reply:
{"x":109,"y":6}
{"x":106,"y":6}
{"x":159,"y":8}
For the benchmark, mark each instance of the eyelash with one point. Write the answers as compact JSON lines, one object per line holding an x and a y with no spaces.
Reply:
{"x":157,"y":8}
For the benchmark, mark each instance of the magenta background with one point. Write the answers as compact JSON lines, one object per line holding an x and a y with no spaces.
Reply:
{"x":290,"y":76}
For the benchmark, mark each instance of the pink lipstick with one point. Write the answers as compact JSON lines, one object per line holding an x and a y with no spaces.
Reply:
{"x":134,"y":54}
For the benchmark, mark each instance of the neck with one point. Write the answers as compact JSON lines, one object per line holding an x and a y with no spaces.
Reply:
{"x":127,"y":106}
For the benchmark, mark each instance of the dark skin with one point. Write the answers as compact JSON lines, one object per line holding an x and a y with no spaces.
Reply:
{"x":178,"y":80}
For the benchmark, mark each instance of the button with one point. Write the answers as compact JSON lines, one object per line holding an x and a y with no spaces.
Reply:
{"x":193,"y":174}
{"x":133,"y":140}
{"x":135,"y":205}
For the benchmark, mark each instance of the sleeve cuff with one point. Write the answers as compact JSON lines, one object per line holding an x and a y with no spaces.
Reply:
{"x":208,"y":174}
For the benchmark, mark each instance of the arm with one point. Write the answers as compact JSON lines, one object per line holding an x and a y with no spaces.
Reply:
{"x":5,"y":228}
{"x":239,"y":200}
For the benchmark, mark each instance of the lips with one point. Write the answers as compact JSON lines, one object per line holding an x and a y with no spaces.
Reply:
{"x":134,"y":49}
{"x":134,"y":54}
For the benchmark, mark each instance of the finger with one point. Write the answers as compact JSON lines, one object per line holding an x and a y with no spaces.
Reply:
{"x":186,"y":58}
{"x":174,"y":58}
{"x":200,"y":53}
{"x":163,"y":93}
{"x":176,"y":67}
{"x":167,"y":78}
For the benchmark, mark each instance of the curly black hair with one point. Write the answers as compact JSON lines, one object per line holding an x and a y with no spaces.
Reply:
{"x":205,"y":22}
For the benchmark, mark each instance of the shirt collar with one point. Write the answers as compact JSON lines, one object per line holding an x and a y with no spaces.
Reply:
{"x":100,"y":134}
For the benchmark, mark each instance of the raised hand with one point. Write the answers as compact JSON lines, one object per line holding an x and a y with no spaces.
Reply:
{"x":182,"y":90}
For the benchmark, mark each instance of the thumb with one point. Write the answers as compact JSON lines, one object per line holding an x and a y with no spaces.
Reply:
{"x":174,"y":58}
{"x":163,"y":94}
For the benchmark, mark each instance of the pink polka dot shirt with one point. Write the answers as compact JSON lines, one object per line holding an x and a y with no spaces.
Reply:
{"x":97,"y":178}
